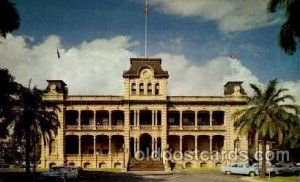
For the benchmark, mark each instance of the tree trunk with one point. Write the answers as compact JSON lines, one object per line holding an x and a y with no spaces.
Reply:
{"x":263,"y":165}
{"x":34,"y":153}
{"x":27,"y":150}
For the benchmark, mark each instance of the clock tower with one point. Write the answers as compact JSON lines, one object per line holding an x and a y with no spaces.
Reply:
{"x":145,"y":80}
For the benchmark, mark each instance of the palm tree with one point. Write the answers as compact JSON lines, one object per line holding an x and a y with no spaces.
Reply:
{"x":9,"y":17}
{"x":268,"y":115}
{"x":290,"y":31}
{"x":9,"y":90}
{"x":35,"y":116}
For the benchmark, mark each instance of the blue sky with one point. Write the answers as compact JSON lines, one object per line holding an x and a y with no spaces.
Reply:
{"x":197,"y":31}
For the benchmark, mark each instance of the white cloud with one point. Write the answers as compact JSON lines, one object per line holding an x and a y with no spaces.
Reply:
{"x":294,"y":88}
{"x":209,"y":79}
{"x":233,"y":15}
{"x":96,"y":67}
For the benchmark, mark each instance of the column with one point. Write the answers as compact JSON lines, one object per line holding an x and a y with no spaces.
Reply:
{"x":134,"y":144}
{"x":79,"y":118}
{"x":95,"y":123}
{"x":138,"y":144}
{"x":196,"y":144}
{"x":134,"y":117}
{"x":180,"y":119}
{"x":109,"y":145}
{"x":153,"y":87}
{"x":156,"y":118}
{"x":196,"y":118}
{"x":153,"y":143}
{"x":79,"y":144}
{"x":109,"y":118}
{"x":137,"y":83}
{"x":210,"y":118}
{"x":210,"y":143}
{"x":138,"y":117}
{"x":180,"y":143}
{"x":153,"y":117}
{"x":95,"y":137}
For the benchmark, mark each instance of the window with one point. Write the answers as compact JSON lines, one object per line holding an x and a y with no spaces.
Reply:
{"x":172,"y":120}
{"x":133,"y":89}
{"x":52,"y":147}
{"x":141,"y":88}
{"x":157,"y":89}
{"x":105,"y":121}
{"x":149,"y":89}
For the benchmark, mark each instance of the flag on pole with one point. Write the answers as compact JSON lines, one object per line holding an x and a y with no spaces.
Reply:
{"x":232,"y":56}
{"x":146,"y":9}
{"x":58,"y":54}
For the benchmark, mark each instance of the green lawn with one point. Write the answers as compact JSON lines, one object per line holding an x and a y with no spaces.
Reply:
{"x":284,"y":179}
{"x":279,"y":179}
{"x":115,"y":170}
{"x":194,"y":170}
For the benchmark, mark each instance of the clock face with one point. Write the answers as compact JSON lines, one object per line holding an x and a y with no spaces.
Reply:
{"x":146,"y":73}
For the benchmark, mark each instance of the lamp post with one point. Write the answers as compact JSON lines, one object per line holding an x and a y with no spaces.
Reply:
{"x":237,"y":146}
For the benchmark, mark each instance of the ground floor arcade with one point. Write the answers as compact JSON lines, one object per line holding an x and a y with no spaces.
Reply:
{"x":108,"y":151}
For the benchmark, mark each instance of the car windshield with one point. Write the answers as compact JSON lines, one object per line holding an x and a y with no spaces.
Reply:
{"x":58,"y":169}
{"x":278,"y":165}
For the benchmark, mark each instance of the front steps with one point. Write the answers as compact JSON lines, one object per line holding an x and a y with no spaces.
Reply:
{"x":144,"y":165}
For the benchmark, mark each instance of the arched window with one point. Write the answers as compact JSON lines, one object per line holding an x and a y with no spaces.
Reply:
{"x":52,"y":147}
{"x":149,"y":89}
{"x":141,"y":88}
{"x":133,"y":89}
{"x":157,"y":89}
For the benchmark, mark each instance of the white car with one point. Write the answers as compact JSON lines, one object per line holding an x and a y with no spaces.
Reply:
{"x":239,"y":168}
{"x":63,"y":172}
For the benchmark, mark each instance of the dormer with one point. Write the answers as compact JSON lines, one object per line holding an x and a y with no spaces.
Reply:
{"x":234,"y":88}
{"x":55,"y":90}
{"x":145,"y":79}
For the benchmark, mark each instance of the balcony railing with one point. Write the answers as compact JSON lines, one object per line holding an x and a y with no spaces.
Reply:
{"x":93,"y":127}
{"x":71,"y":127}
{"x":102,"y":157}
{"x":87,"y":127}
{"x":146,"y":127}
{"x":193,"y":127}
{"x":117,"y":127}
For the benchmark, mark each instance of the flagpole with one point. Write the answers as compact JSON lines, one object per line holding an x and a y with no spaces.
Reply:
{"x":146,"y":22}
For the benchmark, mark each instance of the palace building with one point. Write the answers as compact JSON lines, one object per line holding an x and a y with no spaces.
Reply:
{"x":98,"y":131}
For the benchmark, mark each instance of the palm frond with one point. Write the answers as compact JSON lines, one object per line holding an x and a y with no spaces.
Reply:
{"x":256,"y":90}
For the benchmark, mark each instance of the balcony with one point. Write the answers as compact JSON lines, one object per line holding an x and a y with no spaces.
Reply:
{"x":88,"y":127}
{"x":93,"y":127}
{"x":197,"y":128}
{"x":145,"y":127}
{"x":91,"y":157}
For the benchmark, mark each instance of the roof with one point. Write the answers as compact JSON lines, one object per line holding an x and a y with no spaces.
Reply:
{"x":229,"y":87}
{"x":137,"y":64}
{"x":61,"y":86}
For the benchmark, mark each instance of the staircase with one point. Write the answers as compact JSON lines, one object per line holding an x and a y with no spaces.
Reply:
{"x":144,"y":165}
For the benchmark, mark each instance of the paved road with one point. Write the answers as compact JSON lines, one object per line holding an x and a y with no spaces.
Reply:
{"x":189,"y":177}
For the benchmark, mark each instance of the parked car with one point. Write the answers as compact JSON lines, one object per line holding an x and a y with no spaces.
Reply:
{"x":63,"y":172}
{"x":240,"y":168}
{"x":281,"y":168}
{"x":4,"y":165}
{"x":268,"y":165}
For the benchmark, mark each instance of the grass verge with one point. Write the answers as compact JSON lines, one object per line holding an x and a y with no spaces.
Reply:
{"x":195,"y":170}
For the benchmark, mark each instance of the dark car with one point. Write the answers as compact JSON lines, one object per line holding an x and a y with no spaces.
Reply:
{"x":4,"y":165}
